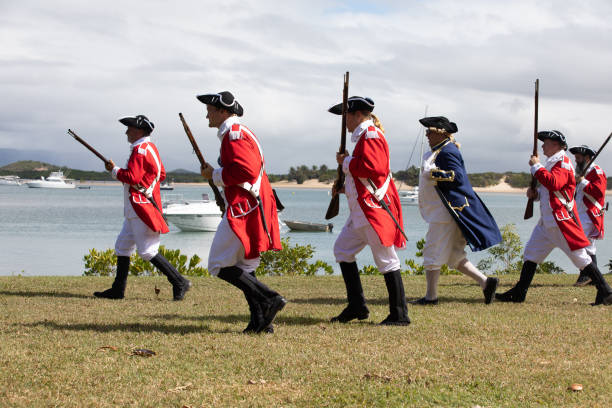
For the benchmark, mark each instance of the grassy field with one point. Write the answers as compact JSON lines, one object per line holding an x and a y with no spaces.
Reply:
{"x":459,"y":353}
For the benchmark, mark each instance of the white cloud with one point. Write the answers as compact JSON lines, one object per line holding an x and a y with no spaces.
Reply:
{"x":82,"y":65}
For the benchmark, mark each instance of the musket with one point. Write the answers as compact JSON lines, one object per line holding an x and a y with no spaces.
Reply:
{"x":218,"y":198}
{"x":582,"y":172}
{"x":106,"y":161}
{"x":334,"y":204}
{"x":534,"y":181}
{"x":386,"y":207}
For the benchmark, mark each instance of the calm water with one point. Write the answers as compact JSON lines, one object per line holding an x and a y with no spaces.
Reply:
{"x":47,"y":232}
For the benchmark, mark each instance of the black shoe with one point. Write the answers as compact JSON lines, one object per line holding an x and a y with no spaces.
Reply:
{"x":109,"y":294}
{"x":179,"y":291}
{"x":515,"y":295}
{"x":604,"y":291}
{"x":489,"y":290}
{"x":391,"y":321}
{"x":583,"y":280}
{"x":270,"y":310}
{"x":350,"y":313}
{"x":424,"y":301}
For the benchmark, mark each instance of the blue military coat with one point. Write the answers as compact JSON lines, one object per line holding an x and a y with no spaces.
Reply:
{"x":467,"y":209}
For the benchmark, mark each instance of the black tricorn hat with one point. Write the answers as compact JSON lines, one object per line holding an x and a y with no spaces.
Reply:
{"x":223,"y":100}
{"x":553,"y":135}
{"x":139,"y":122}
{"x":355,"y":103}
{"x":439,"y":122}
{"x":582,"y":149}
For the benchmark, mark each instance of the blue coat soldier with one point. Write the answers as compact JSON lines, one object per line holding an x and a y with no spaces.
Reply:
{"x":455,"y":213}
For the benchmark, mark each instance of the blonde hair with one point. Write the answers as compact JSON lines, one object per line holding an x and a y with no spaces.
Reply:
{"x":445,"y":133}
{"x":376,"y":122}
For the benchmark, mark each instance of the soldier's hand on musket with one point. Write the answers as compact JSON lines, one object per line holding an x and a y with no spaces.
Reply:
{"x":109,"y":165}
{"x":532,"y":193}
{"x":579,"y":179}
{"x":206,"y":170}
{"x":341,"y":156}
{"x":533,"y":160}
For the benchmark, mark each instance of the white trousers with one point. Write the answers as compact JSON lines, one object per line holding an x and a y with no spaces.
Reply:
{"x":588,"y":228}
{"x":352,"y":240}
{"x":444,"y":244}
{"x":227,"y":250}
{"x":543,"y":240}
{"x":135,"y":234}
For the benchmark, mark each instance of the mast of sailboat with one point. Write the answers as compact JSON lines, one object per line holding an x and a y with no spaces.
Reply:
{"x":422,"y":143}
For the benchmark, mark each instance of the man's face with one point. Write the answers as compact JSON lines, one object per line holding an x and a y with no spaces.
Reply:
{"x":434,"y":138}
{"x":133,"y":134}
{"x":353,"y":119}
{"x":550,"y":147}
{"x":580,"y":158}
{"x":215,"y":116}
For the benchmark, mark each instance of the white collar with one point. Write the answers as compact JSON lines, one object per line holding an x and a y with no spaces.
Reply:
{"x":550,"y":162}
{"x":144,"y":139}
{"x":227,"y":125}
{"x":363,"y":126}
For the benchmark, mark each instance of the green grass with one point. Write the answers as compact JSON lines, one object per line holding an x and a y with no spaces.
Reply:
{"x":460,"y":353}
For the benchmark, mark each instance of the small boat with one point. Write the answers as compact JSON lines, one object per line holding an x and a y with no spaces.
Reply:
{"x":10,"y":181}
{"x":84,"y":187}
{"x":309,"y":226}
{"x":164,"y":185}
{"x":55,"y":180}
{"x":191,"y":215}
{"x":409,"y":197}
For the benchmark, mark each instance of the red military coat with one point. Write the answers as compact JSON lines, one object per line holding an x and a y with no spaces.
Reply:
{"x":594,"y":194}
{"x":560,"y":179}
{"x":370,"y":159}
{"x":144,"y":172}
{"x":242,"y":163}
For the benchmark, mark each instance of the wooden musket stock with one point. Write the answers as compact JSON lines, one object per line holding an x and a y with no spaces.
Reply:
{"x":334,"y":204}
{"x":534,"y":181}
{"x":218,"y":198}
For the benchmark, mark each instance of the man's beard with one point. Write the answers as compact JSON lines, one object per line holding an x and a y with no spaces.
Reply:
{"x":580,"y":167}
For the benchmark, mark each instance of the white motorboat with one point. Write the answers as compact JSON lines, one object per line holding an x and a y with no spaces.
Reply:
{"x":409,"y":197}
{"x":55,"y":180}
{"x":10,"y":181}
{"x":166,"y":186}
{"x":191,"y":215}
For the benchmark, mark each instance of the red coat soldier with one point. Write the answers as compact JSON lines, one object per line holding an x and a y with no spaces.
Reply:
{"x":559,"y":226}
{"x":590,"y":201}
{"x":368,"y":222}
{"x":250,"y":223}
{"x":144,"y":221}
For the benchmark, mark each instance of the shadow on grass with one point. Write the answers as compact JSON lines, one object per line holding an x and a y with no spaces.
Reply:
{"x":125,"y":327}
{"x":243,"y":318}
{"x":45,"y":294}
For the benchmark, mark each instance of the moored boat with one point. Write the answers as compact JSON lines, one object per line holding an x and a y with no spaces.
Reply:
{"x":10,"y":181}
{"x":191,"y":215}
{"x":308,"y":226}
{"x":55,"y":180}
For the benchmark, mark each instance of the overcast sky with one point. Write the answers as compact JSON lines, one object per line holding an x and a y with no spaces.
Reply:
{"x":82,"y":65}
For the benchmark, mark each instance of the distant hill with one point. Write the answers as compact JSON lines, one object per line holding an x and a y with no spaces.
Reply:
{"x":29,"y":165}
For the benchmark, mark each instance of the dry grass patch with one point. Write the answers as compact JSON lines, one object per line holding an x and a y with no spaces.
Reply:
{"x":59,"y":346}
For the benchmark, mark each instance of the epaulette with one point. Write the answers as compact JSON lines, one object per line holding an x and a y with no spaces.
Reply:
{"x":235,"y":132}
{"x":372,"y":133}
{"x":567,"y":164}
{"x":598,"y":170}
{"x":142,"y":150}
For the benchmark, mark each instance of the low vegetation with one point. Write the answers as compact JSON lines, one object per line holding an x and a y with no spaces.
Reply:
{"x":59,"y":346}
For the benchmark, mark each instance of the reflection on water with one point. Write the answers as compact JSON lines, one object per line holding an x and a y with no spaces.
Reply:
{"x":47,"y":232}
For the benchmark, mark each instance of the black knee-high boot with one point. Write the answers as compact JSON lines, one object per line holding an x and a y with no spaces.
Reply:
{"x":180,"y":285}
{"x":356,"y":308}
{"x":268,"y":300}
{"x":604,"y":292}
{"x":255,"y":311}
{"x":398,"y":311}
{"x":584,"y":279}
{"x":518,"y":293}
{"x":117,"y":290}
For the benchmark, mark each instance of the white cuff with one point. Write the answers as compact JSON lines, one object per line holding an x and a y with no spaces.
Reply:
{"x":345,"y":164}
{"x":218,"y":177}
{"x":584,"y":183}
{"x":114,"y":172}
{"x":535,"y":168}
